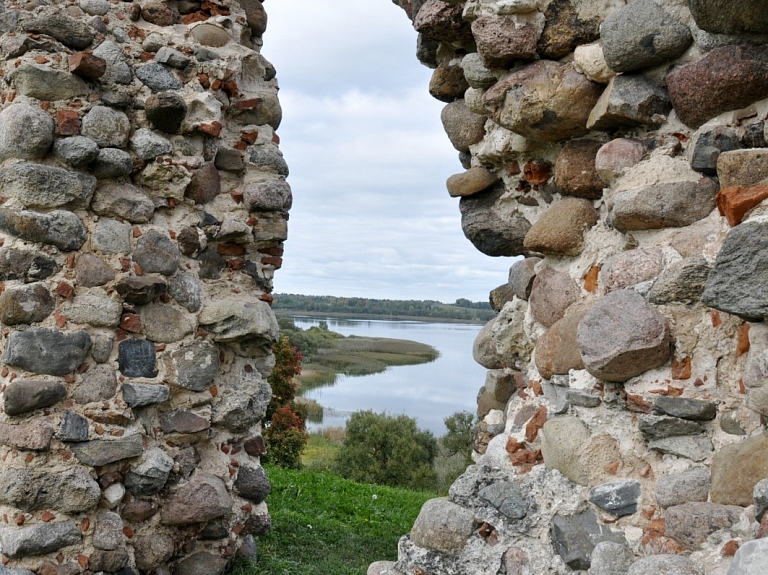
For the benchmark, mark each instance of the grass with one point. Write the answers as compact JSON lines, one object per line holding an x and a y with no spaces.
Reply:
{"x":325,"y":525}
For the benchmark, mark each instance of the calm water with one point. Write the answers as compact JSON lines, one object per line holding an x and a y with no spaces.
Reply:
{"x":429,"y":392}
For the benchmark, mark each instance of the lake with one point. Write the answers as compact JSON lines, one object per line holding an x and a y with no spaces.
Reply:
{"x":429,"y":392}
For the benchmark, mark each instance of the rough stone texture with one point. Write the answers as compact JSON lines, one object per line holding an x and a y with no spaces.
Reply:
{"x":560,"y":230}
{"x":156,"y":253}
{"x":575,"y":172}
{"x":691,"y":523}
{"x":630,"y":268}
{"x":442,"y":526}
{"x":100,"y":452}
{"x":682,"y":282}
{"x":557,"y":351}
{"x":684,"y":487}
{"x":622,"y":336}
{"x":45,"y":350}
{"x":150,"y":475}
{"x":561,"y":445}
{"x":233,"y":320}
{"x":252,"y":483}
{"x":575,"y":537}
{"x":30,"y":303}
{"x":616,"y":156}
{"x":26,"y":132}
{"x":201,"y":564}
{"x":660,"y":427}
{"x":464,"y":128}
{"x":619,"y":498}
{"x":736,"y":469}
{"x":193,"y":367}
{"x":610,"y":558}
{"x":493,"y":230}
{"x":552,"y":293}
{"x":750,"y":559}
{"x":204,"y":498}
{"x":693,"y":409}
{"x":521,"y":276}
{"x":707,"y":146}
{"x":630,"y":100}
{"x":442,"y":21}
{"x":723,"y":17}
{"x":500,"y":42}
{"x":141,"y":395}
{"x":668,"y":564}
{"x":38,"y":539}
{"x":57,"y":228}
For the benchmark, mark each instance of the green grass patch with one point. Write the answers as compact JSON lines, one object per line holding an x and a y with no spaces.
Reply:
{"x":325,"y":525}
{"x":322,"y":449}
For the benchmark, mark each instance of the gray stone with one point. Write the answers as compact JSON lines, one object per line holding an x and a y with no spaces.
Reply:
{"x":641,"y":35}
{"x":112,"y":163}
{"x":187,"y":291}
{"x":619,"y":498}
{"x":443,"y":526}
{"x":76,"y":151}
{"x":693,"y":447}
{"x":631,"y":267}
{"x":33,"y":434}
{"x":46,"y":350}
{"x":508,"y":497}
{"x":751,"y":558}
{"x":685,"y":408}
{"x":58,"y":228}
{"x":490,"y":227}
{"x":91,"y":309}
{"x":206,"y":185}
{"x":98,"y":384}
{"x":136,"y":358}
{"x":760,"y":497}
{"x":724,"y":17}
{"x":659,"y":427}
{"x":630,"y":100}
{"x":140,"y":395}
{"x":464,"y":128}
{"x":442,"y":21}
{"x":26,"y":132}
{"x":111,"y":237}
{"x":44,"y":83}
{"x":229,"y":160}
{"x":521,"y":276}
{"x":29,"y":303}
{"x":118,"y":70}
{"x":737,"y":282}
{"x":108,"y":531}
{"x":25,"y":266}
{"x":681,"y":282}
{"x":228,"y":320}
{"x":163,"y":323}
{"x":691,"y":523}
{"x":268,"y":194}
{"x":477,"y":75}
{"x":183,"y":421}
{"x":157,"y":78}
{"x":210,"y":35}
{"x":102,"y":347}
{"x":561,"y":444}
{"x":552,"y":293}
{"x":38,"y":539}
{"x":38,"y":186}
{"x":610,"y":558}
{"x":149,"y":476}
{"x":108,"y":127}
{"x":575,"y":536}
{"x":172,"y":58}
{"x":141,"y":289}
{"x":94,"y":7}
{"x":14,"y":571}
{"x":267,"y":158}
{"x":166,"y":111}
{"x":100,"y":452}
{"x":204,"y":498}
{"x":69,"y":491}
{"x":73,"y":428}
{"x":194,"y":366}
{"x":730,"y":424}
{"x":252,"y":483}
{"x":201,"y":563}
{"x":151,"y":551}
{"x":684,"y":487}
{"x":708,"y":144}
{"x":666,"y":564}
{"x":109,"y":561}
{"x":92,"y":271}
{"x":147,"y":145}
{"x":241,"y":401}
{"x":72,"y":33}
{"x":156,"y":253}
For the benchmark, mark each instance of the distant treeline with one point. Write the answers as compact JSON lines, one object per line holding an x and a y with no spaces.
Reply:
{"x":463,"y":309}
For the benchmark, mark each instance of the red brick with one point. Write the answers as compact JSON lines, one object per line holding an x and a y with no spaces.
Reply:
{"x":68,"y":122}
{"x":87,"y":65}
{"x":734,"y":202}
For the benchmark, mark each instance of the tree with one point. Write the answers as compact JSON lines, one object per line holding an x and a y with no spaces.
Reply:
{"x":459,"y":436}
{"x":387,"y":450}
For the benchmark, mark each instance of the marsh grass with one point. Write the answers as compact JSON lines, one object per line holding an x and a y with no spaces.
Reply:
{"x":323,"y":449}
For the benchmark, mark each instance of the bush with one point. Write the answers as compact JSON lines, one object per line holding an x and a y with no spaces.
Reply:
{"x":387,"y":450}
{"x":458,"y":440}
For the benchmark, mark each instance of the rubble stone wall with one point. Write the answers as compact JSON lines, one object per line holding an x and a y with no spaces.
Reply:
{"x":620,"y":148}
{"x":142,"y":213}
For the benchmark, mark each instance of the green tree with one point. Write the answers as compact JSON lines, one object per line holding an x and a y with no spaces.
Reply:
{"x":459,"y":436}
{"x":387,"y":450}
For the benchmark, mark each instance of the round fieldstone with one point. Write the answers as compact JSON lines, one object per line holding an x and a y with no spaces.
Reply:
{"x":30,"y":303}
{"x":667,"y":564}
{"x":157,"y":78}
{"x":443,"y":21}
{"x":26,"y":395}
{"x":521,"y":276}
{"x":160,"y":13}
{"x":631,"y":268}
{"x":205,"y":184}
{"x":58,"y":228}
{"x":107,"y":127}
{"x":443,"y":526}
{"x":112,"y":163}
{"x":471,"y":182}
{"x":679,"y":488}
{"x":147,"y":145}
{"x":464,"y":128}
{"x":76,"y":151}
{"x":551,"y":294}
{"x":557,"y":351}
{"x":623,"y":336}
{"x":490,"y":224}
{"x":616,"y":156}
{"x":92,"y":271}
{"x":560,"y":230}
{"x":728,"y":17}
{"x":476,"y":73}
{"x":211,"y":35}
{"x":156,"y":253}
{"x":252,"y":483}
{"x":448,"y":83}
{"x":204,"y":498}
{"x":166,"y":111}
{"x":501,"y":42}
{"x":25,"y":132}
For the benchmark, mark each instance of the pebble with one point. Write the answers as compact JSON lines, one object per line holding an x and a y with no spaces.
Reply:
{"x":172,"y":58}
{"x":160,"y":13}
{"x":707,"y":145}
{"x":34,"y":434}
{"x":660,"y":427}
{"x":742,"y":167}
{"x":630,"y":268}
{"x":508,"y":497}
{"x":521,"y":276}
{"x":95,"y":7}
{"x":228,"y":320}
{"x":616,"y":156}
{"x":267,"y":158}
{"x":151,"y":551}
{"x":201,"y":563}
{"x":557,"y":351}
{"x":205,"y":186}
{"x":108,"y":531}
{"x":252,"y":483}
{"x":760,"y":498}
{"x":562,"y":443}
{"x":566,"y":25}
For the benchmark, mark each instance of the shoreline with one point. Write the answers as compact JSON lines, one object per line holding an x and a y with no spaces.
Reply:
{"x":358,"y":316}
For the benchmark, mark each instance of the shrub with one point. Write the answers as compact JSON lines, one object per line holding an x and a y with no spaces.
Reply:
{"x":387,"y":450}
{"x":458,"y":440}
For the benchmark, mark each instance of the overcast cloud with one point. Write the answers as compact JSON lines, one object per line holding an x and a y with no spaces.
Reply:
{"x":368,"y":159}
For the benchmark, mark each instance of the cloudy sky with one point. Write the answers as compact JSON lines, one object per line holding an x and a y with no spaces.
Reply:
{"x":368,"y":159}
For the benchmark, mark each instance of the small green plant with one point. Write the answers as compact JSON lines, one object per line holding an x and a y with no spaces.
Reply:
{"x":458,"y":440}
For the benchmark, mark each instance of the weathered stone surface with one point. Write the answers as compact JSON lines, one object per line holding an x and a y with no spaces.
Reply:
{"x":552,"y":293}
{"x":193,"y":366}
{"x":622,"y":336}
{"x":681,"y":282}
{"x":73,"y":428}
{"x":112,"y":163}
{"x":268,"y":194}
{"x":163,"y":323}
{"x":27,"y":395}
{"x":69,"y":31}
{"x":736,"y":469}
{"x":616,"y":156}
{"x":442,"y":21}
{"x":735,"y":77}
{"x":140,"y":395}
{"x":108,"y":127}
{"x":521,"y":276}
{"x":667,"y":564}
{"x":691,"y":523}
{"x":92,"y":309}
{"x":45,"y":350}
{"x":557,"y":351}
{"x":205,"y":185}
{"x":99,"y":452}
{"x":232,"y":320}
{"x":241,"y":400}
{"x":156,"y":253}
{"x":660,"y":427}
{"x":255,"y":15}
{"x":30,"y":303}
{"x":166,"y":111}
{"x":109,"y":561}
{"x":685,"y":408}
{"x":118,"y":70}
{"x":609,"y":558}
{"x":149,"y":476}
{"x":500,"y":42}
{"x":492,"y":228}
{"x":151,"y":551}
{"x":108,"y":531}
{"x":93,"y":271}
{"x":34,"y":434}
{"x":693,"y":447}
{"x":641,"y":35}
{"x":575,"y":537}
{"x":575,"y":173}
{"x":38,"y":539}
{"x":560,"y":230}
{"x":708,"y":144}
{"x":157,"y":78}
{"x":111,"y":237}
{"x":630,"y":268}
{"x":160,"y":13}
{"x":760,"y":498}
{"x":209,"y":35}
{"x":76,"y":151}
{"x":26,"y":132}
{"x":44,"y":83}
{"x":58,"y":228}
{"x":165,"y":180}
{"x":98,"y":384}
{"x":722,"y":17}
{"x":590,"y":61}
{"x":742,"y":167}
{"x":684,"y":487}
{"x":172,"y":58}
{"x":201,"y":563}
{"x":508,"y":497}
{"x":751,"y":558}
{"x":141,"y":290}
{"x":147,"y":145}
{"x":70,"y":491}
{"x":443,"y":526}
{"x":619,"y":498}
{"x":475,"y":72}
{"x":187,"y":291}
{"x":204,"y":498}
{"x":25,"y":266}
{"x":464,"y":127}
{"x":138,"y":510}
{"x":630,"y":100}
{"x":471,"y":182}
{"x":545,"y":101}
{"x":183,"y":421}
{"x":267,"y":159}
{"x":136,"y":358}
{"x":252,"y":483}
{"x":561,"y":443}
{"x":566,"y":26}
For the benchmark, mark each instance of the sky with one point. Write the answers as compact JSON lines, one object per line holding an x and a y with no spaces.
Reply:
{"x":368,"y":156}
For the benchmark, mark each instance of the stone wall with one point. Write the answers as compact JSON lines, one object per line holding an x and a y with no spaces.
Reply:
{"x":144,"y":207}
{"x":620,"y":147}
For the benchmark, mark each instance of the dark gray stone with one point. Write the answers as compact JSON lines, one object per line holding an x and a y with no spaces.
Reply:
{"x":46,"y":350}
{"x":112,"y":163}
{"x":630,"y":100}
{"x":760,"y":497}
{"x":76,"y":151}
{"x":737,"y":284}
{"x":508,"y":497}
{"x":729,"y":16}
{"x":25,"y":266}
{"x":252,"y":483}
{"x":118,"y":70}
{"x":619,"y":498}
{"x":611,"y":559}
{"x":685,"y":408}
{"x":183,"y":421}
{"x":108,"y":531}
{"x":157,"y":78}
{"x":73,"y":428}
{"x":72,"y":33}
{"x":58,"y":228}
{"x":151,"y":474}
{"x":100,"y":452}
{"x":187,"y":291}
{"x":489,"y":229}
{"x":575,"y":537}
{"x":172,"y":58}
{"x":136,"y":358}
{"x":141,"y":395}
{"x":108,"y":561}
{"x":38,"y":539}
{"x":521,"y":276}
{"x":25,"y":132}
{"x":666,"y":564}
{"x":708,"y":144}
{"x":659,"y":427}
{"x":267,"y":158}
{"x":581,"y":398}
{"x":193,"y":366}
{"x":678,"y":488}
{"x":681,"y":282}
{"x":166,"y":111}
{"x":693,"y":447}
{"x":156,"y":253}
{"x":98,"y":384}
{"x":69,"y":491}
{"x":729,"y":424}
{"x":147,"y":145}
{"x":642,"y":34}
{"x":30,"y":303}
{"x":93,"y":271}
{"x":141,"y":289}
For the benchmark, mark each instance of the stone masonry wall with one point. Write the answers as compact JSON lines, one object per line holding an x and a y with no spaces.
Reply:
{"x":142,"y":213}
{"x":620,"y":147}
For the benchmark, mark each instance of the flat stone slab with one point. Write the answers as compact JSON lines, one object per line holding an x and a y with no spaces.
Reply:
{"x":619,"y":498}
{"x":46,"y":350}
{"x":38,"y":539}
{"x":100,"y":452}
